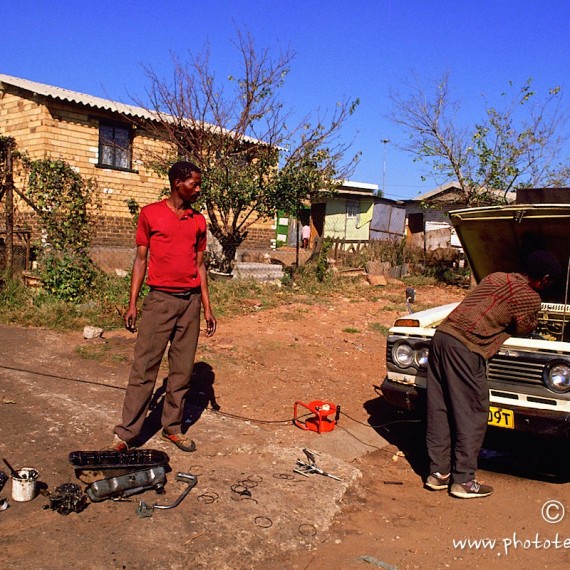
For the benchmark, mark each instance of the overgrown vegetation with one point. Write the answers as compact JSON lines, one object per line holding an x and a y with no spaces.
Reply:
{"x":313,"y":283}
{"x":25,"y":306}
{"x":322,"y":265}
{"x":395,"y":252}
{"x":64,"y":203}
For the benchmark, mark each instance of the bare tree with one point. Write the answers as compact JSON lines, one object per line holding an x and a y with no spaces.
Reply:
{"x":245,"y":141}
{"x":518,"y":146}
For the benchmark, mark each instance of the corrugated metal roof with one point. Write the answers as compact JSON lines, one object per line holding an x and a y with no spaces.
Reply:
{"x":357,"y":188}
{"x":450,"y":186}
{"x":61,"y":94}
{"x":66,"y":95}
{"x":366,"y":186}
{"x":436,"y":191}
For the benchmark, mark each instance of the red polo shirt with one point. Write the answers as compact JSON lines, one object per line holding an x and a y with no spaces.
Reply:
{"x":173,"y":244}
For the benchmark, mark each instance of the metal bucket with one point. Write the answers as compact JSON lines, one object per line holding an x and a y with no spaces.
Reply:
{"x":25,"y":485}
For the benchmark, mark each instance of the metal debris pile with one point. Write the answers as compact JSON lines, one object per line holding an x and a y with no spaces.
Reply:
{"x":117,"y":476}
{"x":108,"y":475}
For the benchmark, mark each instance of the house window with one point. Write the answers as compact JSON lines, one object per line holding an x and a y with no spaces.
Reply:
{"x":115,"y":146}
{"x":352,"y":209}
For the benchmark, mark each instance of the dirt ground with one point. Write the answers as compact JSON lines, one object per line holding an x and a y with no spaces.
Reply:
{"x":61,"y":393}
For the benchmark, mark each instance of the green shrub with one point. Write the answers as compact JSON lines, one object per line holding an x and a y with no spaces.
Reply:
{"x":67,"y":275}
{"x":13,"y":294}
{"x":24,"y":306}
{"x":380,"y":328}
{"x":64,"y":203}
{"x":323,"y":266}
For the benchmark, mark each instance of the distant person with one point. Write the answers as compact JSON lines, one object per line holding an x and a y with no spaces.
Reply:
{"x":305,"y":236}
{"x":171,"y":235}
{"x":502,"y":305}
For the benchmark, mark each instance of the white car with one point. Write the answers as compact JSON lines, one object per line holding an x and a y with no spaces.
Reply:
{"x":529,"y":378}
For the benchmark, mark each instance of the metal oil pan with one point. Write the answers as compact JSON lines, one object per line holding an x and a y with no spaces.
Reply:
{"x":126,"y":485}
{"x":91,"y":466}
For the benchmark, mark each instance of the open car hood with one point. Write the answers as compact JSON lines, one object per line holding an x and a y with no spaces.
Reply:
{"x":499,"y":238}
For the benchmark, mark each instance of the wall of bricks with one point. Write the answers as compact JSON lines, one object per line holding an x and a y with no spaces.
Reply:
{"x":48,"y":128}
{"x":259,"y":237}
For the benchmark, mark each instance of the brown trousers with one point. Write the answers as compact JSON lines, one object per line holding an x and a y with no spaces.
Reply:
{"x":165,"y":318}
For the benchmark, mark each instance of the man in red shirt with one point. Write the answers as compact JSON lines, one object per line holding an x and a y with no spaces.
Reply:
{"x":502,"y":305}
{"x":171,"y":240}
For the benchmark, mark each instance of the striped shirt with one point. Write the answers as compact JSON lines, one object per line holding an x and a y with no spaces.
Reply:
{"x":502,"y":305}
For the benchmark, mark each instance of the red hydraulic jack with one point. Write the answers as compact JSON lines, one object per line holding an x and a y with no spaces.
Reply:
{"x":320,"y":421}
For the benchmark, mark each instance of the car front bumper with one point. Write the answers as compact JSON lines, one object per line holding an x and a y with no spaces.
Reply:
{"x":544,"y":423}
{"x":406,"y":397}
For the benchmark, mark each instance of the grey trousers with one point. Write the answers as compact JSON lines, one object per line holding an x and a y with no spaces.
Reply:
{"x":457,"y":408}
{"x":165,"y":318}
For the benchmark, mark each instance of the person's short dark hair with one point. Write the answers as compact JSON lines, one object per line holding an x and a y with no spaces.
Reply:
{"x":182,"y":170}
{"x":541,"y":263}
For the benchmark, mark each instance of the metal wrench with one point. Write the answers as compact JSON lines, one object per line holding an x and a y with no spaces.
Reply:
{"x":311,"y":466}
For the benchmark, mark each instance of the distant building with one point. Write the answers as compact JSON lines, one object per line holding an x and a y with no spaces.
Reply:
{"x":543,"y":196}
{"x":355,"y":213}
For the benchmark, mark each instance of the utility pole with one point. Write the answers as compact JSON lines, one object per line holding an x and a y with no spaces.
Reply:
{"x":384,"y":142}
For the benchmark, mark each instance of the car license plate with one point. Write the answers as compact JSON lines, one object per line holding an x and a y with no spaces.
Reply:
{"x":500,"y":417}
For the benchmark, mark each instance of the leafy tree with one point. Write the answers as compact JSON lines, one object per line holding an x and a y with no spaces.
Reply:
{"x":255,"y":160}
{"x":517,"y":146}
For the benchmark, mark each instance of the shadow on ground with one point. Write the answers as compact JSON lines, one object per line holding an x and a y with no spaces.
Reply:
{"x":525,"y":455}
{"x":201,"y":395}
{"x":504,"y":451}
{"x":404,"y":430}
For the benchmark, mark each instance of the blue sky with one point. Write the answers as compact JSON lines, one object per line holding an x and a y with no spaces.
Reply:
{"x":361,"y":48}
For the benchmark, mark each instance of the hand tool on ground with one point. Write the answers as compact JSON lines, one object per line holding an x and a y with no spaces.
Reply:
{"x":12,"y":470}
{"x":305,"y":468}
{"x":145,"y":510}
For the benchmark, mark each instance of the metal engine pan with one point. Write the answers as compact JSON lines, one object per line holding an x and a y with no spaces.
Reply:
{"x":93,"y":465}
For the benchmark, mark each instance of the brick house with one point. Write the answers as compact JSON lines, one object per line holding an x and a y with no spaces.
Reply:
{"x":101,"y":139}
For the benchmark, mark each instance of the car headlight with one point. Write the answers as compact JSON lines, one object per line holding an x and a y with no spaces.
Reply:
{"x":406,"y":355}
{"x":421,"y":356}
{"x":557,"y":376}
{"x":403,"y":355}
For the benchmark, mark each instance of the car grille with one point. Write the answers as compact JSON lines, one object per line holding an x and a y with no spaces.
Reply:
{"x":509,"y":369}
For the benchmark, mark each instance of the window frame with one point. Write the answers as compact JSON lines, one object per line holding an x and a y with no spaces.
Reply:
{"x":115,"y":148}
{"x":352,"y":209}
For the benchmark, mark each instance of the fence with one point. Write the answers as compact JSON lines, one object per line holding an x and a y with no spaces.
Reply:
{"x":341,"y":249}
{"x":21,"y":251}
